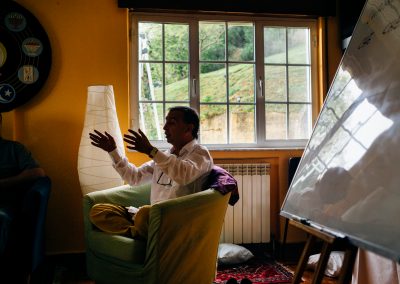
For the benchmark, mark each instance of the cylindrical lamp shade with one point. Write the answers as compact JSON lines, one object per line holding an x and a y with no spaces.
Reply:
{"x":94,"y":164}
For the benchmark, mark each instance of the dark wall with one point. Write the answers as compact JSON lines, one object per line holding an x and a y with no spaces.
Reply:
{"x":299,"y":7}
{"x":348,"y":12}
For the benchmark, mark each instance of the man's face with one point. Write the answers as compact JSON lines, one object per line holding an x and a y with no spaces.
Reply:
{"x":176,"y":130}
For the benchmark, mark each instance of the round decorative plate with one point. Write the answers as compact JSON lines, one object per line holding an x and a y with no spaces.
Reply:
{"x":25,"y":55}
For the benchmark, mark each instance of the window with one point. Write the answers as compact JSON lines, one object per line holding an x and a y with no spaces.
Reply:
{"x":252,"y":80}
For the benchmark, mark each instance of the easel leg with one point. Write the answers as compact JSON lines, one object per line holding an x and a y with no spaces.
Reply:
{"x":323,"y":260}
{"x":348,"y":265}
{"x":283,"y":249}
{"x":328,"y":242}
{"x":304,"y":259}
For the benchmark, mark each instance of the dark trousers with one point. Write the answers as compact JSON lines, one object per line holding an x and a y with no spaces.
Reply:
{"x":13,"y":247}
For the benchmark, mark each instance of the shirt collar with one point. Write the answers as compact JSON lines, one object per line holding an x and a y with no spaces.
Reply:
{"x":187,"y":148}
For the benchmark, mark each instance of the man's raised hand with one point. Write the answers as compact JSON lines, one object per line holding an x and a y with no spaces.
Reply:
{"x":138,"y":141}
{"x":103,"y":141}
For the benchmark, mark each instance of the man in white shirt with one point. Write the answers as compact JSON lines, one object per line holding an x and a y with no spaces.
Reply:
{"x":179,"y":171}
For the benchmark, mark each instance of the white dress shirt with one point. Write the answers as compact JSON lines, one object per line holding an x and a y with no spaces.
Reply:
{"x":170,"y":175}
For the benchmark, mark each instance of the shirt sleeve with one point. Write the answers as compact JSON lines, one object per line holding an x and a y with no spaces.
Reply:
{"x":24,"y":157}
{"x":129,"y":172}
{"x":186,"y":170}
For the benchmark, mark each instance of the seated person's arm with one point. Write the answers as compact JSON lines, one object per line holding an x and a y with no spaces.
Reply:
{"x":25,"y":177}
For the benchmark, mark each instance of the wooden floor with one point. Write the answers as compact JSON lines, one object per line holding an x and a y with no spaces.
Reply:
{"x":69,"y":279}
{"x":71,"y":269}
{"x":308,"y":276}
{"x":72,"y":278}
{"x":307,"y":279}
{"x":290,"y":256}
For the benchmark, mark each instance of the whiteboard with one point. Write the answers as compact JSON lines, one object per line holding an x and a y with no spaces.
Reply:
{"x":348,"y":180}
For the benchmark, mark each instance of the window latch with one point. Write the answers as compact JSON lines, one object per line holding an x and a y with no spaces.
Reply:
{"x":194,"y":87}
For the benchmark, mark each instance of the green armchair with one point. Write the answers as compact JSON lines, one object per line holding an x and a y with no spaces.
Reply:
{"x":181,"y":246}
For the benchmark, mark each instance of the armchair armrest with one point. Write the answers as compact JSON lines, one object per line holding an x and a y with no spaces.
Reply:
{"x":184,"y":235}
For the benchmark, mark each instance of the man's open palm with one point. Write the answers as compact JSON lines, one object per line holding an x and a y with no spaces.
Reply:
{"x":103,"y":141}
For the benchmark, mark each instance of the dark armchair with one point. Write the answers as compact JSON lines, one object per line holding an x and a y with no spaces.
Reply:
{"x":25,"y":248}
{"x":35,"y":208}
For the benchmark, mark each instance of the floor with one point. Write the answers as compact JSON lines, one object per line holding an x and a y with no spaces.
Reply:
{"x":62,"y":269}
{"x":70,"y":269}
{"x":289,"y":258}
{"x":308,"y":276}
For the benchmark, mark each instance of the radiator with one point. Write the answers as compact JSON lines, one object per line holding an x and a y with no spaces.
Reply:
{"x":248,"y":221}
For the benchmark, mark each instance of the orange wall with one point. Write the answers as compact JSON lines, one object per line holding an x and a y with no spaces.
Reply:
{"x":90,"y":46}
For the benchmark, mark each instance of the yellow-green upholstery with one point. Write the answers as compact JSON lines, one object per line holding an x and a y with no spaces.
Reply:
{"x":182,"y":243}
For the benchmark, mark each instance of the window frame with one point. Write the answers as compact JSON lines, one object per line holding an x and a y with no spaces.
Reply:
{"x":259,"y":23}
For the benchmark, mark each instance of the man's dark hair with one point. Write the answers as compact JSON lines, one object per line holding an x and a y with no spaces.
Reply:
{"x":190,"y":116}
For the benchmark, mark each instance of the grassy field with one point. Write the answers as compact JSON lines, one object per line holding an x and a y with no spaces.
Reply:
{"x":241,"y":90}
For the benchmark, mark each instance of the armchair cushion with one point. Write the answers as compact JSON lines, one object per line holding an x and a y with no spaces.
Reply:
{"x":118,"y":247}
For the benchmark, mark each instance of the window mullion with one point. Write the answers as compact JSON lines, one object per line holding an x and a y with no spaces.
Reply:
{"x":259,"y":88}
{"x":228,"y":123}
{"x":163,"y":70}
{"x":134,"y":66}
{"x":194,"y":86}
{"x":287,"y":84}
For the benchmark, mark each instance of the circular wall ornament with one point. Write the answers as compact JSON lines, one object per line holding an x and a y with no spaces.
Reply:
{"x":25,"y":55}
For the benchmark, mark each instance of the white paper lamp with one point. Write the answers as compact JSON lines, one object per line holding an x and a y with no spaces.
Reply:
{"x":94,"y":165}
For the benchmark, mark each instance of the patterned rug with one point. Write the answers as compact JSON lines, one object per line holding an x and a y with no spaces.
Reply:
{"x":259,"y":271}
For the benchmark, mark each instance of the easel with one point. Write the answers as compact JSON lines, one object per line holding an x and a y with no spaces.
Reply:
{"x":328,"y":242}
